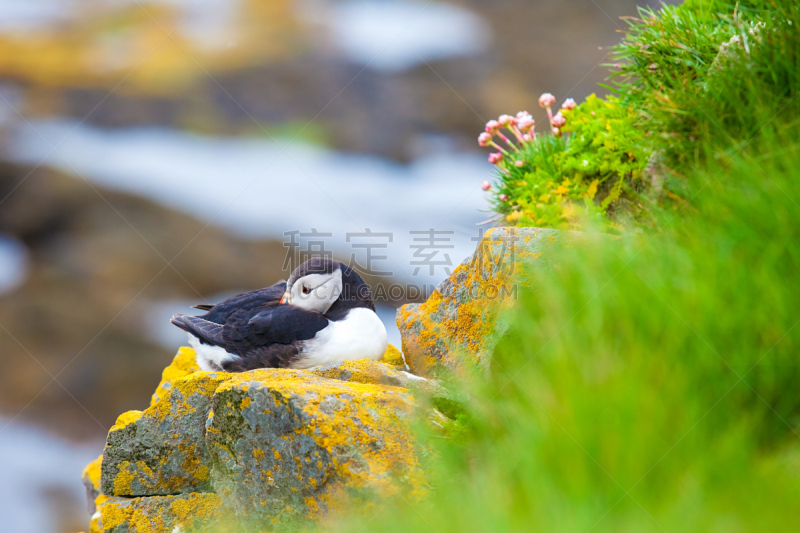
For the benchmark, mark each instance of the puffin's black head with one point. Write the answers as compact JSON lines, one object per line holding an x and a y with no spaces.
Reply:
{"x":327,"y":286}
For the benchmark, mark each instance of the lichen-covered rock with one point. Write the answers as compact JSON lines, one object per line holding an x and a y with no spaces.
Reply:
{"x":371,"y":372}
{"x":366,"y":371}
{"x":289,"y":445}
{"x":394,"y":358}
{"x":274,"y":446}
{"x":156,"y":514}
{"x":91,"y":480}
{"x":456,"y":329}
{"x":184,"y":363}
{"x":162,"y":450}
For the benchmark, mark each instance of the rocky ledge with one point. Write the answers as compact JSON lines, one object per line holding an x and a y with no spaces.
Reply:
{"x":285,"y":449}
{"x":277,"y":446}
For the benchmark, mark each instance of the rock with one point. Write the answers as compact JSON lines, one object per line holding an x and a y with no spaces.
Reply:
{"x":275,"y":446}
{"x":394,"y":357}
{"x":155,"y":514}
{"x":457,"y":328}
{"x":372,"y":372}
{"x":91,"y":480}
{"x":288,"y":446}
{"x":184,"y":363}
{"x":162,"y":450}
{"x":366,"y":371}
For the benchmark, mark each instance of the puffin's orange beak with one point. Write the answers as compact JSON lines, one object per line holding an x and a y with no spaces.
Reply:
{"x":286,"y":298}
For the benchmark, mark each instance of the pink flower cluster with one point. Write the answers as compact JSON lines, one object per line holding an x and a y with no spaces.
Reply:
{"x":558,"y":120}
{"x":521,"y":128}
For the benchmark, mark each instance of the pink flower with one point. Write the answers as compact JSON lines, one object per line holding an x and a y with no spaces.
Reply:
{"x":503,"y":198}
{"x":556,"y":131}
{"x":523,"y":114}
{"x":519,"y":164}
{"x":559,"y":120}
{"x":546,"y":100}
{"x":569,"y":104}
{"x":527,"y":137}
{"x":484,"y":139}
{"x":492,"y":127}
{"x":486,"y":185}
{"x":495,"y":158}
{"x":526,"y":123}
{"x":506,"y":120}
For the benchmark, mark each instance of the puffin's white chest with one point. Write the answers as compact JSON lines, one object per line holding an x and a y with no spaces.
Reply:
{"x":360,"y":335}
{"x":210,"y":358}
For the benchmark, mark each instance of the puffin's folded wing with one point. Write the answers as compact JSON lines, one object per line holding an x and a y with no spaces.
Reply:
{"x":206,"y":331}
{"x":283,"y":324}
{"x":247,"y":302}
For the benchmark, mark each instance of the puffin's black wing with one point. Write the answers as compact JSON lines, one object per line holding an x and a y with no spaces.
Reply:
{"x":281,"y":324}
{"x":207,"y":332}
{"x":270,"y":338}
{"x":258,"y":299}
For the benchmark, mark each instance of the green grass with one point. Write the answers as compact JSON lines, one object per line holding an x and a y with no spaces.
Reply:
{"x":652,"y":382}
{"x":649,"y":384}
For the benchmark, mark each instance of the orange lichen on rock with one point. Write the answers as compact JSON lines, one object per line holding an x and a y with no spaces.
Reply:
{"x":457,"y":327}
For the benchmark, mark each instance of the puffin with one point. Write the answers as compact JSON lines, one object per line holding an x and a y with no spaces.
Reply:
{"x":322,"y":315}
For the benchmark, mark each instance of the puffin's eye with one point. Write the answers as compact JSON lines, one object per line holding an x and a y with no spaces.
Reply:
{"x":306,"y":289}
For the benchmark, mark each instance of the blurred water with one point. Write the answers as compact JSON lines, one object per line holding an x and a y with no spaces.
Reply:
{"x":13,"y":263}
{"x":261,"y":189}
{"x":24,"y":15}
{"x":395,"y":35}
{"x":36,"y":468}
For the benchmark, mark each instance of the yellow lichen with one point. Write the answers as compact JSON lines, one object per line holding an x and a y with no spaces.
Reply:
{"x":184,"y":363}
{"x":123,"y":481}
{"x":158,"y":514}
{"x":92,"y":472}
{"x":125,"y":419}
{"x":393,"y":357}
{"x":357,"y":371}
{"x":365,"y":410}
{"x":452,"y":331}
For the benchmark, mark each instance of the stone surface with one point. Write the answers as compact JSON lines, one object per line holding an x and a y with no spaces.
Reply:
{"x":394,"y":358}
{"x":274,"y":446}
{"x":457,"y":328}
{"x":366,"y":371}
{"x":162,"y":450}
{"x":155,"y":514}
{"x":91,"y":480}
{"x":288,"y":445}
{"x":184,"y":363}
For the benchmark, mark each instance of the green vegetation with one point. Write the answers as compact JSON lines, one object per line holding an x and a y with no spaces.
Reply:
{"x":595,"y":171}
{"x":650,"y":383}
{"x":693,"y":82}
